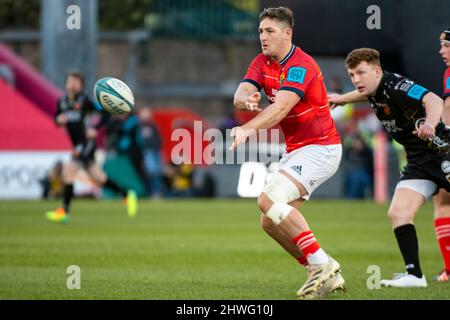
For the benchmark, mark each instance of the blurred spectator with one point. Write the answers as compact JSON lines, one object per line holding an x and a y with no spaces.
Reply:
{"x":52,"y":183}
{"x":180,"y":180}
{"x":358,"y":167}
{"x":125,"y":137}
{"x":151,"y":139}
{"x":203,"y":183}
{"x":336,"y":85}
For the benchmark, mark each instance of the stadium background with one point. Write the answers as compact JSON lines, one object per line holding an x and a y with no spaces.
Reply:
{"x":183,"y":60}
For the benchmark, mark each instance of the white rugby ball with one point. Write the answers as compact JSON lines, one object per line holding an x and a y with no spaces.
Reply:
{"x":114,"y":95}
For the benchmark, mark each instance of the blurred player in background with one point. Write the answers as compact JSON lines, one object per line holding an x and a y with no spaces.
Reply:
{"x":412,"y":116}
{"x":442,"y":223}
{"x":72,"y":113}
{"x":293,"y":82}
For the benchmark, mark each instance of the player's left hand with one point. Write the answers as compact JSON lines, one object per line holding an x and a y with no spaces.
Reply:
{"x":240,"y":135}
{"x":425,"y":131}
{"x":91,"y":133}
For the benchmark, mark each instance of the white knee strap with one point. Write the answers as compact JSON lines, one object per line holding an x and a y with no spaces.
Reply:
{"x":281,"y":189}
{"x":278,"y":212}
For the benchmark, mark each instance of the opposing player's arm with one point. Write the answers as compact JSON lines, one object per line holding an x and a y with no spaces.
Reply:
{"x":433,"y":108}
{"x":433,"y":105}
{"x":446,"y":111}
{"x":247,"y":97}
{"x":343,"y":99}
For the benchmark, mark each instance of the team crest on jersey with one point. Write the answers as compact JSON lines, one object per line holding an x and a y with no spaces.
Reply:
{"x":282,"y":77}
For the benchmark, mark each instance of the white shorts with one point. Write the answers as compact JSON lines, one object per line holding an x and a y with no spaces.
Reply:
{"x":427,"y":188}
{"x":312,"y":165}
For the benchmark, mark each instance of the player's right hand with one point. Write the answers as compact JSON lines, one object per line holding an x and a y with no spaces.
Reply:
{"x":252,"y":103}
{"x":335,"y":100}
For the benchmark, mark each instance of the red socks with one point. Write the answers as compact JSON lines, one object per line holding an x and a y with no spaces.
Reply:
{"x":307,"y":243}
{"x":442,"y":228}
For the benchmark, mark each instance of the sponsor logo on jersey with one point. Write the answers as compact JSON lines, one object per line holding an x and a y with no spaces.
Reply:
{"x":416,"y":92}
{"x":296,"y":74}
{"x":404,"y":85}
{"x":273,"y":95}
{"x":390,"y":126}
{"x":445,"y":166}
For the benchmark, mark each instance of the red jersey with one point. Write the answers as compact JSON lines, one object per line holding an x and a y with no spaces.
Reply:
{"x":309,"y":121}
{"x":446,"y":84}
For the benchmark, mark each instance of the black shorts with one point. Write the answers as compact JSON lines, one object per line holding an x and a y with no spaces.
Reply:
{"x":436,"y":170}
{"x":86,"y":152}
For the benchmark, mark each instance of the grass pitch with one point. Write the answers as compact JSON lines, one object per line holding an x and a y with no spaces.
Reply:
{"x":197,"y":249}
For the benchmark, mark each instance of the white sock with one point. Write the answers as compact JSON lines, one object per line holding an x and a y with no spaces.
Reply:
{"x":318,"y":257}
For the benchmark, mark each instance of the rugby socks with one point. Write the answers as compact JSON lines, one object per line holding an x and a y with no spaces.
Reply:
{"x":302,"y":260}
{"x":409,"y":247}
{"x":310,"y":248}
{"x":442,"y":228}
{"x":114,"y":187}
{"x":67,"y":197}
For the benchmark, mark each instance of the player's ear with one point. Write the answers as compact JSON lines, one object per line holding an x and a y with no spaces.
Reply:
{"x":288,"y":32}
{"x":378,"y":69}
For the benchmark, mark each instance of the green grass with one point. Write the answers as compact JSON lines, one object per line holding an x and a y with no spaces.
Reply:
{"x":196,"y":249}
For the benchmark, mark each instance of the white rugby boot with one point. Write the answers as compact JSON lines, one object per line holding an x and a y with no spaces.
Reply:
{"x":405,"y":280}
{"x":318,"y":274}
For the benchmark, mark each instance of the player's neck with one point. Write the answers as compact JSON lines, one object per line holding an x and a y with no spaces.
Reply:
{"x":283,"y":53}
{"x":374,"y":93}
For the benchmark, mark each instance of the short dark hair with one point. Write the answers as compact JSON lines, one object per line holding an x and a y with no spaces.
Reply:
{"x":354,"y":58}
{"x":76,"y":74}
{"x":282,"y":14}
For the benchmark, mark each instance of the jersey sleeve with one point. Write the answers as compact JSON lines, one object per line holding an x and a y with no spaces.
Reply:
{"x":298,"y":78}
{"x":446,"y":93}
{"x":407,"y":92}
{"x":254,"y":73}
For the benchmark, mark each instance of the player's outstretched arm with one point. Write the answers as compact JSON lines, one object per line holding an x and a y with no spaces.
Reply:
{"x":267,"y":118}
{"x":446,"y":112}
{"x":433,"y":107}
{"x":342,"y":99}
{"x":247,"y":97}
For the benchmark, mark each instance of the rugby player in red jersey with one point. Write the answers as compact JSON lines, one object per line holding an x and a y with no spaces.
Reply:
{"x":442,"y":218}
{"x":293,"y":82}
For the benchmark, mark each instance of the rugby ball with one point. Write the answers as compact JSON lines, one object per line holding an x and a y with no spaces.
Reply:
{"x":114,"y":95}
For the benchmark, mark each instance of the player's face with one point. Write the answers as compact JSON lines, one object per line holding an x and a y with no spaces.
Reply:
{"x":73,"y":85}
{"x":273,"y":35}
{"x":445,"y":52}
{"x":366,"y":78}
